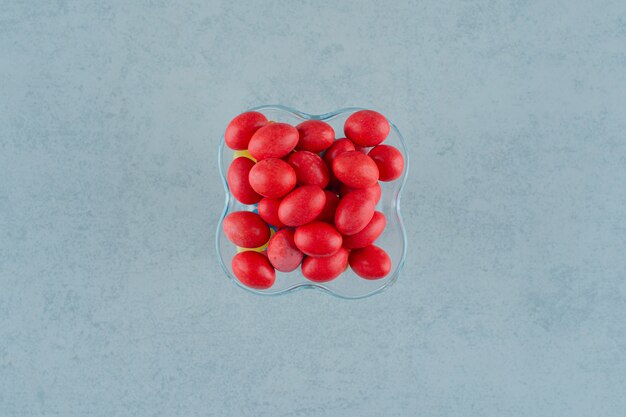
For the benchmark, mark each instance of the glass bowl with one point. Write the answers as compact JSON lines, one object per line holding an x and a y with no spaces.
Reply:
{"x":348,"y":284}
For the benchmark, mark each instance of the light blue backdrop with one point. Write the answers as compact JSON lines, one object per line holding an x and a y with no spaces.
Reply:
{"x":513,"y":300}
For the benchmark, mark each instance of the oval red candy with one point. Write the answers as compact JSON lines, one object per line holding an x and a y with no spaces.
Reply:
{"x":268,"y":210}
{"x":374,"y":192}
{"x":368,"y":235}
{"x":253,"y":270}
{"x":330,"y":206}
{"x":238,"y":183}
{"x":246,"y":229}
{"x":355,"y":169}
{"x":282,"y":252}
{"x":314,"y":136}
{"x":318,"y":239}
{"x":274,"y":140}
{"x":310,"y":168}
{"x":354,"y":212}
{"x":366,"y":128}
{"x":389,"y":161}
{"x":325,"y":269}
{"x":302,"y":205}
{"x":272,"y":178}
{"x":241,"y":128}
{"x":370,"y":262}
{"x":337,"y":148}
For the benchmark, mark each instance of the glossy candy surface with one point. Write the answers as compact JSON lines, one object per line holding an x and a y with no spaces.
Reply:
{"x":238,"y":182}
{"x":261,"y":248}
{"x":389,"y":161}
{"x":355,"y":169}
{"x":374,"y":192}
{"x":368,"y":235}
{"x":268,"y":210}
{"x":337,"y":148}
{"x":330,"y":206}
{"x":283,"y":253}
{"x":318,"y":239}
{"x":314,"y":136}
{"x":272,"y":178}
{"x":310,"y":169}
{"x":253,"y":270}
{"x":366,"y":128}
{"x":354,"y":212}
{"x":246,"y":229}
{"x":370,"y":262}
{"x":302,"y":205}
{"x":325,"y":269}
{"x":241,"y":128}
{"x":274,"y":140}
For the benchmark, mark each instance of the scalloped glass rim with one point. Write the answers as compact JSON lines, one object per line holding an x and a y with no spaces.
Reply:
{"x":306,"y":284}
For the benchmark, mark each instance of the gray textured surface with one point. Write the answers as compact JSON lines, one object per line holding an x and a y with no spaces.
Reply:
{"x":513,"y":302}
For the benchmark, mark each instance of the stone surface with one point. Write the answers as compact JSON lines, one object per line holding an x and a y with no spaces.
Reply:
{"x":512,"y":302}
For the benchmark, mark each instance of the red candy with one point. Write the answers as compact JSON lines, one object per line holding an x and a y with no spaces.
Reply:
{"x":300,"y":171}
{"x":330,"y":206}
{"x":274,"y":140}
{"x":325,"y":269}
{"x":309,"y":168}
{"x":374,"y":192}
{"x":337,"y":148}
{"x":237,"y":178}
{"x":241,"y":129}
{"x":314,"y":136}
{"x":283,"y":252}
{"x":318,"y":239}
{"x":246,"y":229}
{"x":355,"y":169}
{"x":272,"y":178}
{"x":268,"y":210}
{"x":366,"y":128}
{"x":302,"y":205}
{"x":340,"y":146}
{"x":368,"y":235}
{"x":370,"y":262}
{"x":253,"y":270}
{"x":354,"y":212}
{"x":389,"y":161}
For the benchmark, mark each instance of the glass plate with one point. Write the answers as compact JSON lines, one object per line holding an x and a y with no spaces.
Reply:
{"x":348,"y":284}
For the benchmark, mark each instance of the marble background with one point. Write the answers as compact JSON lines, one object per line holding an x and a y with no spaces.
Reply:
{"x":513,"y":299}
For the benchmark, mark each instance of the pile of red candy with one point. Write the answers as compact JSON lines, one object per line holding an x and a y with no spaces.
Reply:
{"x":318,"y":193}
